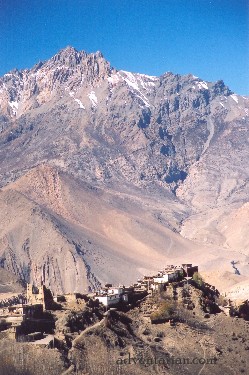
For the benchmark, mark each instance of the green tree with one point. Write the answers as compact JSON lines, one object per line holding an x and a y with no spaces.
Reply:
{"x":198,"y":279}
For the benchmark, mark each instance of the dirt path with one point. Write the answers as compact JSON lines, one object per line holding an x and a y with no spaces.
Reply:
{"x":78,"y":339}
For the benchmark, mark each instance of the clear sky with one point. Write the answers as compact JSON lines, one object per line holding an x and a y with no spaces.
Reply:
{"x":208,"y":38}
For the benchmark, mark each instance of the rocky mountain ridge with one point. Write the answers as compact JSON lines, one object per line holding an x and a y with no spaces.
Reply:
{"x":168,"y":153}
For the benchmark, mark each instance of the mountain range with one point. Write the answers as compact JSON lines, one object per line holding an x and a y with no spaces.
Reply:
{"x":107,"y":175}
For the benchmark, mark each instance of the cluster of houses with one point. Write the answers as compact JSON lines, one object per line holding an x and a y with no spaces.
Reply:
{"x":30,"y":311}
{"x":111,"y":296}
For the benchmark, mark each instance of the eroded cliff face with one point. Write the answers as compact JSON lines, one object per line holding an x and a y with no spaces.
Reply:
{"x":114,"y":156}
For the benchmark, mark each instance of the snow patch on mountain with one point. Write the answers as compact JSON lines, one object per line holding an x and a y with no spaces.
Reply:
{"x":80,"y":103}
{"x":137,"y":82}
{"x":114,"y":79}
{"x":235,"y":98}
{"x":93,"y":98}
{"x":202,"y":85}
{"x":71,"y":93}
{"x":130,"y":79}
{"x":14,"y":106}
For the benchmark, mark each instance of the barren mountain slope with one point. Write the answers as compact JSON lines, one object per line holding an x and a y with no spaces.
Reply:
{"x":127,"y":164}
{"x":9,"y":284}
{"x":61,"y":226}
{"x":71,"y":235}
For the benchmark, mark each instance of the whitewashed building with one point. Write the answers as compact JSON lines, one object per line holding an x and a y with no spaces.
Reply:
{"x":166,"y":277}
{"x":112,"y":296}
{"x":116,"y":290}
{"x":108,"y":299}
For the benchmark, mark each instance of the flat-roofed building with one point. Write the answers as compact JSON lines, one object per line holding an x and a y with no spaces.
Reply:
{"x":108,"y":299}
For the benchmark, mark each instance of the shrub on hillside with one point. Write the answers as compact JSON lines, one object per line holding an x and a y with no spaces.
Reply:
{"x":165,"y":312}
{"x":198,"y":280}
{"x":244,"y":310}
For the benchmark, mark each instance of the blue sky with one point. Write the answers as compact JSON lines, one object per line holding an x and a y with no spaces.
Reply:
{"x":209,"y":38}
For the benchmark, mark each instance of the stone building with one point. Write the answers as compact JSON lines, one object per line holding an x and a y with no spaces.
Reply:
{"x":41,"y":295}
{"x":189,"y":269}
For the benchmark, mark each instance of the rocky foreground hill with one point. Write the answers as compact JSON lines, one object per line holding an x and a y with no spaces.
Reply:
{"x":107,"y":175}
{"x":90,"y":341}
